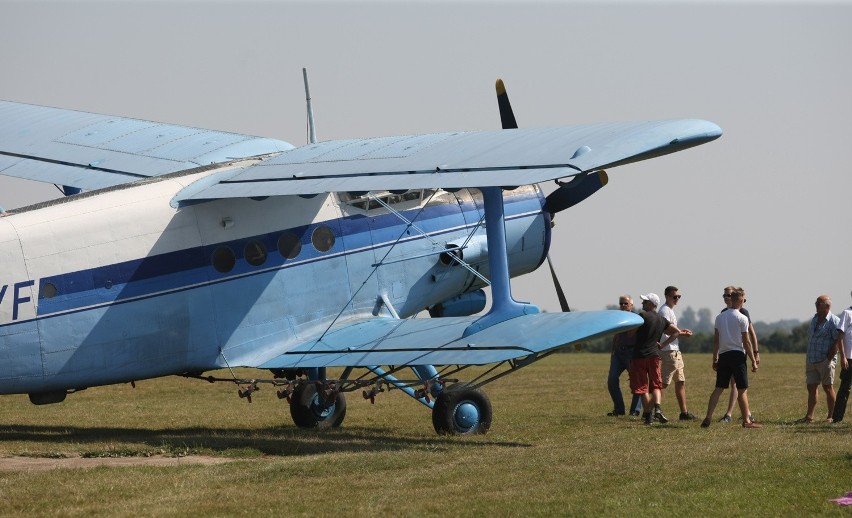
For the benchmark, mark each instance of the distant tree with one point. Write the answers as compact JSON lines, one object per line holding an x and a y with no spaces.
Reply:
{"x":706,"y":321}
{"x":787,"y":326}
{"x":795,"y":341}
{"x":687,"y":320}
{"x":697,"y":343}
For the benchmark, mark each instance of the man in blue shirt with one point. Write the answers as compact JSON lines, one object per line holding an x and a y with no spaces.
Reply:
{"x":821,"y":357}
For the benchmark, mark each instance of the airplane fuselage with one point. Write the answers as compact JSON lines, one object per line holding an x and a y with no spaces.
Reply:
{"x":116,"y":285}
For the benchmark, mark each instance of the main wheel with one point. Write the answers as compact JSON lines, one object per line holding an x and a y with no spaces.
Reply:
{"x":461,"y":410}
{"x":308,"y":410}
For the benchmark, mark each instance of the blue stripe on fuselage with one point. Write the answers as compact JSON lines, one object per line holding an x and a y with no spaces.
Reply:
{"x":190,"y":268}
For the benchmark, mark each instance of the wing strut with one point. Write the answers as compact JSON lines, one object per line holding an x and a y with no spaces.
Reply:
{"x":503,"y":306}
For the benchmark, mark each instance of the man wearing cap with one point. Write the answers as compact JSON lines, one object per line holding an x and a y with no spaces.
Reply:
{"x":645,"y":376}
{"x":844,"y":345}
{"x":671,"y":358}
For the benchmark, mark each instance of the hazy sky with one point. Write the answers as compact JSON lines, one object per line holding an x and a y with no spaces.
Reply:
{"x":765,"y":207}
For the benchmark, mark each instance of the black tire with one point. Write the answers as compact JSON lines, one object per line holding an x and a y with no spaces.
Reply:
{"x":453,"y":413}
{"x":307,"y":410}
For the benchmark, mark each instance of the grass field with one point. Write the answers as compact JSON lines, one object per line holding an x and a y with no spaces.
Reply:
{"x":550,"y":451}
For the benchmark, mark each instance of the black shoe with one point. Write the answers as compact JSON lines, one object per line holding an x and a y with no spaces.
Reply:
{"x":658,"y":416}
{"x":705,"y":423}
{"x":613,"y":414}
{"x":686,"y":416}
{"x":646,"y":418}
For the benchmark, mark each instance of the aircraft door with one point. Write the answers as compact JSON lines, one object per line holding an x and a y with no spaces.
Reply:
{"x":359,"y":253}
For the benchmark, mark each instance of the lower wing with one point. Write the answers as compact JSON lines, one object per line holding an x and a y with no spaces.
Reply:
{"x":439,"y":341}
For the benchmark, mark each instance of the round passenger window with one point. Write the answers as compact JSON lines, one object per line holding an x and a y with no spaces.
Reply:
{"x":48,"y":291}
{"x":289,"y":245}
{"x":323,"y":239}
{"x":255,"y":253}
{"x":224,"y":259}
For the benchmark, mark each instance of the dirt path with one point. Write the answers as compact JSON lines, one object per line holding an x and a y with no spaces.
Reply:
{"x":44,"y":464}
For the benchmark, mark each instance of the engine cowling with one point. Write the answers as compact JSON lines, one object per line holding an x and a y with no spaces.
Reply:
{"x":459,"y":306}
{"x":476,"y":251}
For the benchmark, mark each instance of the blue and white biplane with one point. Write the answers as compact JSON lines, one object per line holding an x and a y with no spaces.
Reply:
{"x":181,"y":251}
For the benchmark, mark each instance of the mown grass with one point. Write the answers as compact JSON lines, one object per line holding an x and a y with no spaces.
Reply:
{"x":551,"y":451}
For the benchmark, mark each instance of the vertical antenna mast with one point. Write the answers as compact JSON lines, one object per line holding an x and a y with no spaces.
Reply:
{"x":312,"y":134}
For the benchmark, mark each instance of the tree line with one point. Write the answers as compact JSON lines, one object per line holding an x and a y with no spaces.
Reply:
{"x":783,"y":336}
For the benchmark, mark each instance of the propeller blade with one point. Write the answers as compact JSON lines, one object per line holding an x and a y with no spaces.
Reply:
{"x":578,"y":189}
{"x":563,"y":302}
{"x":507,"y":116}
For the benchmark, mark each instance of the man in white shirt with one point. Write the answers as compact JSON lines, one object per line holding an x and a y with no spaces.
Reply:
{"x":670,"y":355}
{"x":731,"y":345}
{"x":844,"y":346}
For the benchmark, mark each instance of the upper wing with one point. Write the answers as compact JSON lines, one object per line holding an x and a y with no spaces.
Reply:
{"x":455,"y":160}
{"x":92,"y":151}
{"x":439,"y":341}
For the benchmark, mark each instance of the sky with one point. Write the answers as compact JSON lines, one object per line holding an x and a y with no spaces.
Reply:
{"x":763,"y":207}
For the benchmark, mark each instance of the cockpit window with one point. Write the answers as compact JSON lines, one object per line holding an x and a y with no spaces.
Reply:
{"x":366,"y":202}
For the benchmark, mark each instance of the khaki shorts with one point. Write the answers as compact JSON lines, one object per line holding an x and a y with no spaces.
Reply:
{"x":821,"y":373}
{"x":672,"y":363}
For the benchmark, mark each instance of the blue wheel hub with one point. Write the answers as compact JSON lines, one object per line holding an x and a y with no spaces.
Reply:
{"x":322,"y":412}
{"x":466,"y":416}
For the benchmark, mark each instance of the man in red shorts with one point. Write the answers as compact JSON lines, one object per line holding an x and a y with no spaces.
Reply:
{"x":645,"y":376}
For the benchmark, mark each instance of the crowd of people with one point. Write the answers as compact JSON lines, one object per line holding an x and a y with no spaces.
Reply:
{"x":651,"y":354}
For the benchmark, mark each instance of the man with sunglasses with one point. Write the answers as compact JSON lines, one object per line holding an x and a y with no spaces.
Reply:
{"x":731,"y":346}
{"x":821,"y":357}
{"x":622,"y":352}
{"x":752,"y":336}
{"x":670,"y":355}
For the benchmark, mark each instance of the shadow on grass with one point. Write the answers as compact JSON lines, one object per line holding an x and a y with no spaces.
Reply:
{"x":818,"y":428}
{"x":275,"y":441}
